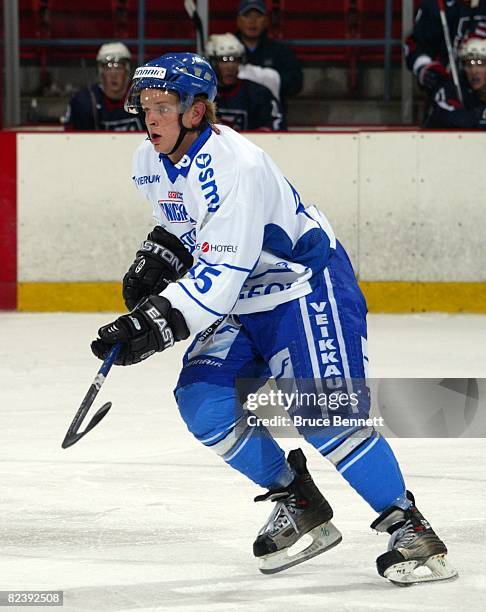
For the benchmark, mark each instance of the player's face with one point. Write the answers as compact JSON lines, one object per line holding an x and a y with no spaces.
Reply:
{"x":252,"y":24}
{"x":476,"y":74}
{"x":228,"y":71}
{"x":161,"y":109}
{"x":114,"y":79}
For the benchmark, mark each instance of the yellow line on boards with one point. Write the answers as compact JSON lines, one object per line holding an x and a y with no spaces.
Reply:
{"x":381,"y":296}
{"x":402,"y":296}
{"x":70,"y":297}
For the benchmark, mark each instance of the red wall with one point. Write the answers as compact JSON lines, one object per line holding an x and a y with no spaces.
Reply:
{"x":8,"y":221}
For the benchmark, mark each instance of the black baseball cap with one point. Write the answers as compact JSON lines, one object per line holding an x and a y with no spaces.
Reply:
{"x":248,"y":5}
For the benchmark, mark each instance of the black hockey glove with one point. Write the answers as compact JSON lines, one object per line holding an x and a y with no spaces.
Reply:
{"x":161,"y":260}
{"x":150,"y":328}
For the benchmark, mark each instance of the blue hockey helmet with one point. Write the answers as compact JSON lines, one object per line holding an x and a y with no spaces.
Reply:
{"x":185,"y":74}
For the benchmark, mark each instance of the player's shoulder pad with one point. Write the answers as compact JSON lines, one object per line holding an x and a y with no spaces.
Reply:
{"x":224,"y":160}
{"x":233,"y":146}
{"x":228,"y":153}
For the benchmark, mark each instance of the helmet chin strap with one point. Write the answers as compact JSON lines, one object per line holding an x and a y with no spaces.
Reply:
{"x":183,"y":131}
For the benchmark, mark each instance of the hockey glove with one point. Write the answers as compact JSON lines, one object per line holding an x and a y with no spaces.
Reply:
{"x":432,"y":76}
{"x":162,"y":259}
{"x":150,"y":328}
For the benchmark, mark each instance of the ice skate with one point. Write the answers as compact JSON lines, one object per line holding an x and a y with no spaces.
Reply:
{"x":415,"y":553}
{"x":299,"y":527}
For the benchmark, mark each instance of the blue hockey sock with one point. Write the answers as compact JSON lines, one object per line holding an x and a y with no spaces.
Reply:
{"x":374,"y":473}
{"x":214,"y":415}
{"x":258,"y":456}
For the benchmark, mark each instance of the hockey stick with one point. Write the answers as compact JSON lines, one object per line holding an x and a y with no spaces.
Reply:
{"x":196,"y":19}
{"x":447,"y":38}
{"x":73,"y":434}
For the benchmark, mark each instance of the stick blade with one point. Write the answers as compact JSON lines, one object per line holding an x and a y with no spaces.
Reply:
{"x":99,"y":414}
{"x":72,"y":438}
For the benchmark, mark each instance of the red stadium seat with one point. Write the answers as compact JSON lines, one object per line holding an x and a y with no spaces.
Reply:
{"x":297,"y":20}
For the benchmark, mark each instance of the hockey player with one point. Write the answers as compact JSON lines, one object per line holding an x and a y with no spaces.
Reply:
{"x":446,"y":110}
{"x":268,"y":291}
{"x":100,"y":107}
{"x":425,"y":49}
{"x":241,"y":104}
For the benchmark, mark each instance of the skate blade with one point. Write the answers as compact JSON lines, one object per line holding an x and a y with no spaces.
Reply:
{"x":415,"y":572}
{"x":322,"y":538}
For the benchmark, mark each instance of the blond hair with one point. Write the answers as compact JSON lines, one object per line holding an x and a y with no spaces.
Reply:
{"x":210,"y":114}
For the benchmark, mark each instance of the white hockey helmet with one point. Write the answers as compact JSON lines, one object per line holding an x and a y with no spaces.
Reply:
{"x":226,"y":46}
{"x":472,"y":48}
{"x":113,"y":53}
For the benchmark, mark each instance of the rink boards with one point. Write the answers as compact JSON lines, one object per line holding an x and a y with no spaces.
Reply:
{"x":408,"y":206}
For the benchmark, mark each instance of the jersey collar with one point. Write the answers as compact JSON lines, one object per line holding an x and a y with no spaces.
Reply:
{"x":184,"y":164}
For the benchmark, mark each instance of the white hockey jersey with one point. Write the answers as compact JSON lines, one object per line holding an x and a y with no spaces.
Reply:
{"x":254,"y":243}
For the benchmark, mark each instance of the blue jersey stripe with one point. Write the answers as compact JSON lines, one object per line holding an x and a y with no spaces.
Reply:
{"x":225,"y":265}
{"x":271,"y":271}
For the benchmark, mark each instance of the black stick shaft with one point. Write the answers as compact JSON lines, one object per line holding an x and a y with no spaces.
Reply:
{"x":72,"y":434}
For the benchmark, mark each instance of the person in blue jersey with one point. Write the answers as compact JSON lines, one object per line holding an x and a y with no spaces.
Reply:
{"x":446,"y":110}
{"x":266,"y":291}
{"x":100,"y":106}
{"x":241,"y":103}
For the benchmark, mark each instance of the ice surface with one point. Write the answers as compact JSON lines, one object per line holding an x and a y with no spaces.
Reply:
{"x":139,"y":516}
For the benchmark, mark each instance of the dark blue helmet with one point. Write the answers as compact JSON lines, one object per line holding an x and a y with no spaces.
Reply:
{"x":185,"y":74}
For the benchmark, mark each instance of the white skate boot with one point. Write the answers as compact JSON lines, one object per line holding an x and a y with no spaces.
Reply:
{"x":299,"y":527}
{"x":415,"y":553}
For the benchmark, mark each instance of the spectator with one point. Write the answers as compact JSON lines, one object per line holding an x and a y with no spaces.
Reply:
{"x":100,"y":107}
{"x":242,"y":104}
{"x":269,"y":62}
{"x":425,"y":49}
{"x":446,"y":111}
